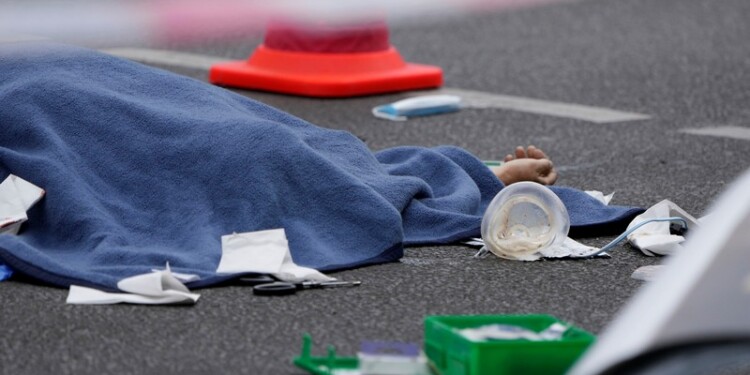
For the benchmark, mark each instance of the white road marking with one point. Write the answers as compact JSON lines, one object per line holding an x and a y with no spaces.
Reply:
{"x":736,"y":132}
{"x":473,"y":99}
{"x":164,"y":57}
{"x":479,"y":99}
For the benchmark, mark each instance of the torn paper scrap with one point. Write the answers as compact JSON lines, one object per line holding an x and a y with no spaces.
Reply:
{"x":28,"y":193}
{"x":598,"y":195}
{"x":292,"y":273}
{"x":79,"y":295}
{"x":16,"y":197}
{"x":569,"y":248}
{"x":259,"y":252}
{"x":154,"y":288}
{"x":266,"y":252}
{"x":653,"y":244}
{"x":655,"y":238}
{"x":183,"y":277}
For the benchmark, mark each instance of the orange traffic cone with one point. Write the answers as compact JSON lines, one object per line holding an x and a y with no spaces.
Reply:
{"x":325,"y":61}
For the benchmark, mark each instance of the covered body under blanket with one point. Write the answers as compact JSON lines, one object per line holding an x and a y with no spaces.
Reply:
{"x":143,"y":167}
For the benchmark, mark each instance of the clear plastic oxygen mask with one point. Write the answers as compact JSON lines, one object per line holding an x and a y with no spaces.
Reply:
{"x":524,"y":219}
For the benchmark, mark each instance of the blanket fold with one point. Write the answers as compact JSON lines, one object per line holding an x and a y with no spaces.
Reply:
{"x":144,"y":167}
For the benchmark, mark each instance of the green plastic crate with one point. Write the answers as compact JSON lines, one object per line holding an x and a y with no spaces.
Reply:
{"x":449,"y":353}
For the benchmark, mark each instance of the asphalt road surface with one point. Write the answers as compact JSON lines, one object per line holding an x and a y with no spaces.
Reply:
{"x":683,"y":65}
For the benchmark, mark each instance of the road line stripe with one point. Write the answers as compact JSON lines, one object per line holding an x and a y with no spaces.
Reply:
{"x":473,"y":99}
{"x":478,"y":99}
{"x":164,"y":57}
{"x":736,"y":132}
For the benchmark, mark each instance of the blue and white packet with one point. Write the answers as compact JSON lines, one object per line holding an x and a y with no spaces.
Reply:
{"x":418,"y":106}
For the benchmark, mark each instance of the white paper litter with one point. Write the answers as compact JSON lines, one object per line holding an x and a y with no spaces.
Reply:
{"x":154,"y":288}
{"x":16,"y":197}
{"x":183,"y":277}
{"x":598,"y":195}
{"x":569,"y":248}
{"x":655,"y":238}
{"x":265,"y":252}
{"x":258,"y":252}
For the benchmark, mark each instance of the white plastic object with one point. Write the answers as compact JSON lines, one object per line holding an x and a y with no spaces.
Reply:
{"x":523,"y":219}
{"x":418,"y":106}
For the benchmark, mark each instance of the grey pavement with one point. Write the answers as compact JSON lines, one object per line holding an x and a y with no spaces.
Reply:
{"x":684,"y":63}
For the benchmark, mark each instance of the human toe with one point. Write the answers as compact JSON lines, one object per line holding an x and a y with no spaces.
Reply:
{"x":520,"y":153}
{"x":536,"y":153}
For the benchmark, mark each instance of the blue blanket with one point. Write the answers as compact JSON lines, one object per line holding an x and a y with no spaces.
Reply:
{"x":143,"y":167}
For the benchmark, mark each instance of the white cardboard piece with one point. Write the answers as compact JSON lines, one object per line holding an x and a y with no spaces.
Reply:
{"x":16,"y":197}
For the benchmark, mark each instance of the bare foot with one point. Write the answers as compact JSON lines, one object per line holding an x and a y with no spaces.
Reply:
{"x":530,"y":164}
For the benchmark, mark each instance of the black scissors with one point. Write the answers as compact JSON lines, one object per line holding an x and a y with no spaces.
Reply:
{"x":265,"y":285}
